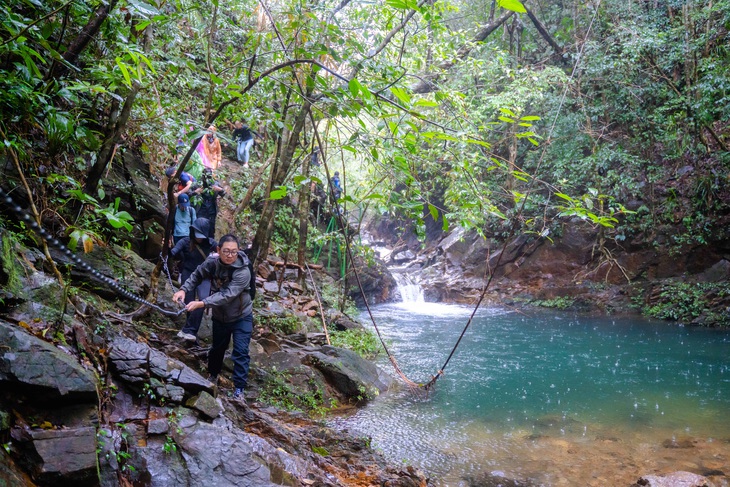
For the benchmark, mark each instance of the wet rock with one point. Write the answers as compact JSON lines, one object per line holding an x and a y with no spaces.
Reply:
{"x":496,"y":479}
{"x":158,"y":426}
{"x":377,"y":283}
{"x":137,"y":363}
{"x":206,"y":404}
{"x":126,"y":407}
{"x":39,"y":365}
{"x":341,"y":321}
{"x":271,"y":287}
{"x":717,"y":273}
{"x":60,"y":457}
{"x":212,"y":455}
{"x":348,"y":373}
{"x":679,"y":443}
{"x":674,"y":479}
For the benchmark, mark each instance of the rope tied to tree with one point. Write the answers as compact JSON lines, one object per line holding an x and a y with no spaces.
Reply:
{"x":51,"y":240}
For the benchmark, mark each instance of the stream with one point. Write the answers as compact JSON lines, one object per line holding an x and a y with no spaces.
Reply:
{"x":550,"y":398}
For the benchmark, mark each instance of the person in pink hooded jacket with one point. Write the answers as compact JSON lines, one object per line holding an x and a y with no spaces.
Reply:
{"x":212,"y":148}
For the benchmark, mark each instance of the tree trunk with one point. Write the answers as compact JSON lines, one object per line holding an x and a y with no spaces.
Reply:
{"x":82,"y":40}
{"x":107,"y":149}
{"x":304,"y":194}
{"x":260,"y":246}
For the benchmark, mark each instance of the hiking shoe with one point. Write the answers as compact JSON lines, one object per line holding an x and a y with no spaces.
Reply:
{"x":238,"y":396}
{"x":187,"y":336}
{"x":213,"y":379}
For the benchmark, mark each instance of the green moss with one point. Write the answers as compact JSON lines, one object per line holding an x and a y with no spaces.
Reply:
{"x":11,"y":268}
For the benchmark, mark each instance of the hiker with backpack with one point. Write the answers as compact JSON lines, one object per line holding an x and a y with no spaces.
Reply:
{"x":184,"y":217}
{"x":192,"y":251}
{"x":232,"y":286}
{"x":207,"y":194}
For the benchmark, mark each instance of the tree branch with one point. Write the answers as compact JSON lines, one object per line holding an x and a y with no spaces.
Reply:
{"x":429,"y":82}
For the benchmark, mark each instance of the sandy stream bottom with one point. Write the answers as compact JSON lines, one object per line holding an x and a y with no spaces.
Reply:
{"x":608,"y":458}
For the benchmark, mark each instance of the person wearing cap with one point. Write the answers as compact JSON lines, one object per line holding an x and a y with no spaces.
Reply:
{"x":192,"y":251}
{"x":186,"y":180}
{"x":212,"y":149}
{"x":184,"y":217}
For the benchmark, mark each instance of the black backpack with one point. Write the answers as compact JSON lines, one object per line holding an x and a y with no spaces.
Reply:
{"x":252,"y":282}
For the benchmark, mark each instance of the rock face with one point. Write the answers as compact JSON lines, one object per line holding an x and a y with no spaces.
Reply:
{"x":28,"y":361}
{"x":61,"y":456}
{"x":136,"y":362}
{"x":210,"y":454}
{"x":35,"y":373}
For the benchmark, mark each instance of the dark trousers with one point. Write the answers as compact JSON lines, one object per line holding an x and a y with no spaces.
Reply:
{"x":194,"y":318}
{"x":240,"y":330}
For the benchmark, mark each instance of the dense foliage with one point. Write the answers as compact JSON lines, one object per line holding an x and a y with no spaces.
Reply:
{"x":499,"y":116}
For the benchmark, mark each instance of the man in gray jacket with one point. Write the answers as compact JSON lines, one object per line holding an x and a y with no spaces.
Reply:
{"x":232,"y":308}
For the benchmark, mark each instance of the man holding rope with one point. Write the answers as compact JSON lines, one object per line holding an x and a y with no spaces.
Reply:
{"x":230,"y":300}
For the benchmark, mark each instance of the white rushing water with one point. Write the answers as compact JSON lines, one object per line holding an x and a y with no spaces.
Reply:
{"x":410,"y":291}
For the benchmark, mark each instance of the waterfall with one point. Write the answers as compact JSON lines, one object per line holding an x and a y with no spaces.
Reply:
{"x":410,"y":291}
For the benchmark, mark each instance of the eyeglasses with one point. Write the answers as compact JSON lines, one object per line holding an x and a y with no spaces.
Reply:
{"x":229,"y":253}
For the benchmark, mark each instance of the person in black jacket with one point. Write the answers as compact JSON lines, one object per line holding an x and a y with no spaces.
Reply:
{"x":243,"y":135}
{"x":232,"y":307}
{"x":207,"y":194}
{"x":193,"y":250}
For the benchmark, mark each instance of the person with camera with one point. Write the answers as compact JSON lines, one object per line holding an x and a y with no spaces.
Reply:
{"x":207,"y":193}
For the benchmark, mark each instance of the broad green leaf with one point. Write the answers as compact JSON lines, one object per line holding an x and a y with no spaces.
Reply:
{"x":426,"y":103}
{"x":124,"y":70}
{"x":278,"y":194}
{"x":478,"y":142}
{"x":514,"y":5}
{"x":354,"y":86}
{"x":433,"y":211}
{"x":216,"y":79}
{"x":530,"y":118}
{"x":565,"y":197}
{"x":401,"y":94}
{"x":506,"y":119}
{"x":507,"y":111}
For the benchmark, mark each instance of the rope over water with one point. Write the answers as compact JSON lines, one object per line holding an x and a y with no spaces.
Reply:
{"x":28,"y":220}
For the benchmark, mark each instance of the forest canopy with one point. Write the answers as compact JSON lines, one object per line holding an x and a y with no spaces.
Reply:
{"x":493,"y":115}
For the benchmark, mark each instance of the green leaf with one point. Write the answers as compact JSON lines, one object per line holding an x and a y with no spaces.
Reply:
{"x":354,"y":86}
{"x":565,"y":197}
{"x":513,"y":5}
{"x":426,"y":103}
{"x":478,"y":142}
{"x":506,"y":119}
{"x":433,"y":211}
{"x":124,"y":70}
{"x":401,"y":94}
{"x":278,"y":193}
{"x":507,"y":111}
{"x":530,"y":118}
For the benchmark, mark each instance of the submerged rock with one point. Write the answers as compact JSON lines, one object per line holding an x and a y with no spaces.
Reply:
{"x":674,"y":479}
